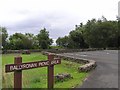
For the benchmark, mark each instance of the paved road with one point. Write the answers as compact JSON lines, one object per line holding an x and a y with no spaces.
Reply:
{"x":106,"y":73}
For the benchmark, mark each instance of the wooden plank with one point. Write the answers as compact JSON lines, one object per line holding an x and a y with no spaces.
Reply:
{"x":30,"y":65}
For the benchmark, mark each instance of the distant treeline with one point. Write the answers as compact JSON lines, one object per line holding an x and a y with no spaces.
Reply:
{"x":94,"y":34}
{"x":19,"y":41}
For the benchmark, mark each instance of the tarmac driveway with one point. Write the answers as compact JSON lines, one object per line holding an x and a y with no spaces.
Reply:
{"x":106,"y":73}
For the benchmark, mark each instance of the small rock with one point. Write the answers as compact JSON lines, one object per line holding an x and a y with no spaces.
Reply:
{"x":26,"y":52}
{"x":62,"y":77}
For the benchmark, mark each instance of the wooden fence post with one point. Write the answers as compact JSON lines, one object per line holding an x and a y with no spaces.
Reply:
{"x":50,"y":72}
{"x":18,"y":75}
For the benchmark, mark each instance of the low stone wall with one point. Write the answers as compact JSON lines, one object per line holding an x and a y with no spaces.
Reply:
{"x":52,"y":50}
{"x":88,"y":64}
{"x":57,"y":50}
{"x":18,"y":51}
{"x":87,"y":67}
{"x":72,"y":50}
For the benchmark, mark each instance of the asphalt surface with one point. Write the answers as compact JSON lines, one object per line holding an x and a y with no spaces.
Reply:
{"x":106,"y":73}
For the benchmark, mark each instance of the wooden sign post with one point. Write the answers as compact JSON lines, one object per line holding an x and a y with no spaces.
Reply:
{"x":18,"y":66}
{"x":50,"y":72}
{"x":18,"y":74}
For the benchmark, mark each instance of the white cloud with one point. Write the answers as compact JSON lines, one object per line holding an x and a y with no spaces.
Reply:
{"x":58,"y":16}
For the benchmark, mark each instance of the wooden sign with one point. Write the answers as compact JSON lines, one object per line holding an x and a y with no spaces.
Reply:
{"x":18,"y":66}
{"x":30,"y":65}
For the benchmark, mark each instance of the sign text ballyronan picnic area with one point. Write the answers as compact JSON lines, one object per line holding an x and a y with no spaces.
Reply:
{"x":30,"y":65}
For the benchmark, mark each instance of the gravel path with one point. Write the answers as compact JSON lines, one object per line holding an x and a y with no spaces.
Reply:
{"x":106,"y":73}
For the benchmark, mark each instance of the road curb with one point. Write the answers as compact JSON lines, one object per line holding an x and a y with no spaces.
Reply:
{"x":88,"y":64}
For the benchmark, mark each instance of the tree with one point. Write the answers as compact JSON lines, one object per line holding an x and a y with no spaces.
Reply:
{"x":101,"y":33}
{"x":114,"y":34}
{"x":63,"y":42}
{"x":76,"y":38}
{"x":43,"y":39}
{"x":32,"y":40}
{"x":16,"y":41}
{"x":21,"y":41}
{"x":94,"y":34}
{"x":58,"y":42}
{"x":119,"y":33}
{"x":4,"y":34}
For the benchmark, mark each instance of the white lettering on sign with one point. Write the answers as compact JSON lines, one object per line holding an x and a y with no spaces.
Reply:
{"x":43,"y":63}
{"x":55,"y":62}
{"x":13,"y":68}
{"x":24,"y":66}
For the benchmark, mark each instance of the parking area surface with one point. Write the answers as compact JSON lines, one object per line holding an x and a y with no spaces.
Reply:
{"x":106,"y":73}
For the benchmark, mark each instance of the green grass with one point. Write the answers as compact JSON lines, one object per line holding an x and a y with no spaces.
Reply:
{"x":37,"y":78}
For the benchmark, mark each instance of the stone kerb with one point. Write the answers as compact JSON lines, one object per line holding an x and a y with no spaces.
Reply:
{"x":88,"y":64}
{"x":72,"y":50}
{"x":87,"y":67}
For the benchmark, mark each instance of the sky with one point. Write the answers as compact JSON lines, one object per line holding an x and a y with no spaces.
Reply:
{"x":119,"y":9}
{"x":59,"y":17}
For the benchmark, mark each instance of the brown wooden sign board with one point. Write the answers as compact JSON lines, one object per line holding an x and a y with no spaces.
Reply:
{"x":30,"y":65}
{"x":18,"y":66}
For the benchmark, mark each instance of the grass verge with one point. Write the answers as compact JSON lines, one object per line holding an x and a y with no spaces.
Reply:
{"x":37,"y":78}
